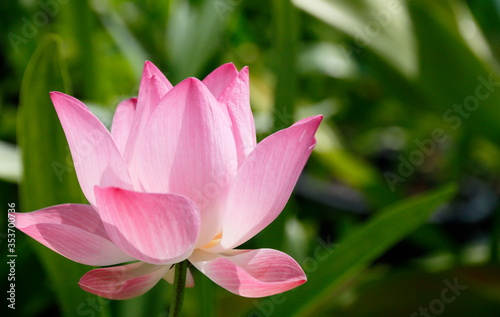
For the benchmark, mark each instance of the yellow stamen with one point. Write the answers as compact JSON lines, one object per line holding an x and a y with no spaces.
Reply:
{"x":213,"y":243}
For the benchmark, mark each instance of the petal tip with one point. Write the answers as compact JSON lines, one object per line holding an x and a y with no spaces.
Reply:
{"x":56,"y":95}
{"x":191,"y":85}
{"x":245,"y":70}
{"x":148,"y":65}
{"x":192,"y":81}
{"x":313,"y":121}
{"x":229,"y":66}
{"x":60,"y":99}
{"x":318,"y":118}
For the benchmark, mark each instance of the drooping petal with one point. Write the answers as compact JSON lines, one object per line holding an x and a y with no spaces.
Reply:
{"x":95,"y":155}
{"x":188,"y":149}
{"x":74,"y":231}
{"x":265,"y":181}
{"x":154,"y":228}
{"x":220,"y":78}
{"x":251,"y":273}
{"x":123,"y":282}
{"x":122,"y":122}
{"x":236,"y":98}
{"x":170,"y":275}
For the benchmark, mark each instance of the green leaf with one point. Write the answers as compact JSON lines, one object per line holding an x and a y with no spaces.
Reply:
{"x":381,"y":26}
{"x":202,"y":25}
{"x":477,"y":294}
{"x":130,"y":46}
{"x":49,"y":176}
{"x":286,"y":38}
{"x":336,"y":267}
{"x":468,"y":97}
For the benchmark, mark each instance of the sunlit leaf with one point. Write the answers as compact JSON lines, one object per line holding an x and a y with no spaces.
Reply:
{"x":193,"y":36}
{"x":382,"y":26}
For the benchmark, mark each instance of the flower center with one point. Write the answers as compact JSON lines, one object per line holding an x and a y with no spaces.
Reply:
{"x":213,"y":243}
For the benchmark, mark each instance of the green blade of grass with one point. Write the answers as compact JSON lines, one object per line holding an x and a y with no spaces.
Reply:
{"x":286,"y":39}
{"x":336,"y":267}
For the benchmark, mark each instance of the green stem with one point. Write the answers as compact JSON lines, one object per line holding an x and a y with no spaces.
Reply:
{"x":179,"y":286}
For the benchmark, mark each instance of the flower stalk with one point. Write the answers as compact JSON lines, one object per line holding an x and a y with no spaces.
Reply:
{"x":179,"y":286}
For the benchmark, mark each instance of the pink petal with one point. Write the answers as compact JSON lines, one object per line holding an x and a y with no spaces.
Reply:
{"x":154,"y":228}
{"x":220,"y":78}
{"x":123,"y":282}
{"x":151,"y":70}
{"x":146,"y":103}
{"x":74,"y":231}
{"x":236,"y":97}
{"x":169,"y":277}
{"x":154,"y":86}
{"x":122,"y":122}
{"x":251,"y":273}
{"x":265,"y":181}
{"x":96,"y":158}
{"x":188,"y":149}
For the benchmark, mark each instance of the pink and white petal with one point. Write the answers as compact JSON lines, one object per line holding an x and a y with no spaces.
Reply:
{"x":122,"y":122}
{"x":170,"y":275}
{"x":147,"y":101}
{"x":188,"y":149}
{"x":151,"y":70}
{"x":74,"y":231}
{"x":265,"y":181}
{"x":220,"y":78}
{"x":95,"y":155}
{"x":251,"y":273}
{"x":122,"y":282}
{"x":154,"y":228}
{"x":236,"y":97}
{"x":154,"y":85}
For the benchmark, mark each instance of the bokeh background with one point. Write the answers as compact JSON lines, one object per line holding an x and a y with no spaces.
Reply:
{"x":397,"y":211}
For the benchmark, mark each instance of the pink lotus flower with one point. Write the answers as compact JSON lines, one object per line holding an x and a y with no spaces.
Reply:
{"x":179,"y":176}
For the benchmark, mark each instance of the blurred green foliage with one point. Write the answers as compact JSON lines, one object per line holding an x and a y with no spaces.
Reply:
{"x":410,"y":91}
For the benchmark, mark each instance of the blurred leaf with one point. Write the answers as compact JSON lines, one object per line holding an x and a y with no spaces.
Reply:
{"x":468,"y":95}
{"x":77,"y":26}
{"x":351,"y":169}
{"x":152,"y":303}
{"x":48,"y":178}
{"x":193,"y":37}
{"x":495,"y":237}
{"x":124,"y":39}
{"x":10,"y":162}
{"x":383,"y":26}
{"x":202,"y":300}
{"x":477,"y":295}
{"x":487,"y":13}
{"x":359,"y":249}
{"x":286,"y":33}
